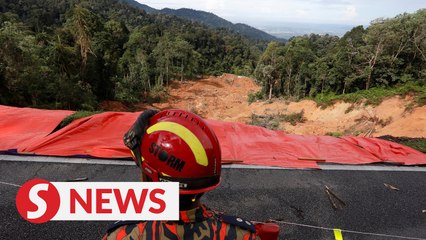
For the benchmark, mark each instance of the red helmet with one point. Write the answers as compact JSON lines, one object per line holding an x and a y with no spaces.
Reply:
{"x":178,"y":146}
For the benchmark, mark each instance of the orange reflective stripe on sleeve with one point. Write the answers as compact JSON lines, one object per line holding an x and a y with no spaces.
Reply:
{"x":141,"y":227}
{"x":214,"y":227}
{"x":154,"y":232}
{"x":121,"y":234}
{"x":184,"y":216}
{"x":172,"y":228}
{"x":223,"y":231}
{"x":247,"y":237}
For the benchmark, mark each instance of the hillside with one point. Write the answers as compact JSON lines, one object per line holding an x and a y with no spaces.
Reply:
{"x":225,"y":98}
{"x":208,"y":19}
{"x":214,"y":21}
{"x":71,"y":55}
{"x":144,"y":7}
{"x":74,"y":55}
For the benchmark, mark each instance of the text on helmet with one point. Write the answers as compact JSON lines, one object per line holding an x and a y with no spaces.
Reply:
{"x":164,"y":156}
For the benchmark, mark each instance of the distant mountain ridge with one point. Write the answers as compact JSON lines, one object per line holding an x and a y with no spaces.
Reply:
{"x":208,"y":19}
{"x":144,"y":7}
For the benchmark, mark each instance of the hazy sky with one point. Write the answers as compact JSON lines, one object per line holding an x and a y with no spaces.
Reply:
{"x":259,"y":12}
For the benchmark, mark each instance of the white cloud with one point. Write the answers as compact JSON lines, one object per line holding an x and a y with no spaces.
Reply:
{"x":212,"y":5}
{"x":301,"y":13}
{"x":255,"y":12}
{"x":350,"y":13}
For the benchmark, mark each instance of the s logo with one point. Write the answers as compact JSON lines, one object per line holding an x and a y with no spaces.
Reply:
{"x":38,"y":201}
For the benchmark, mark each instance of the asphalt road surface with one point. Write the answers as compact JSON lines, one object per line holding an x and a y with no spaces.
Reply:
{"x":290,"y":196}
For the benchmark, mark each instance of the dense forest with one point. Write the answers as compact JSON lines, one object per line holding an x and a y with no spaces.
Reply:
{"x":208,"y":19}
{"x":388,"y":53}
{"x":73,"y":54}
{"x":214,"y":21}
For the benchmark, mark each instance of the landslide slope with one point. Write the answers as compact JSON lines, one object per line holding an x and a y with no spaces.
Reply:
{"x":226,"y":98}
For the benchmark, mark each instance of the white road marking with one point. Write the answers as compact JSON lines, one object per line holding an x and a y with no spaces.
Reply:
{"x":10,"y":184}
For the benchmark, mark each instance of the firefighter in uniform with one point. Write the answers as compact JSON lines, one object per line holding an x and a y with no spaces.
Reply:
{"x":178,"y":146}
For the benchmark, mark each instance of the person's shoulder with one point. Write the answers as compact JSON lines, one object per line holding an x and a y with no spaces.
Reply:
{"x":119,"y":224}
{"x":238,"y":222}
{"x":123,"y":228}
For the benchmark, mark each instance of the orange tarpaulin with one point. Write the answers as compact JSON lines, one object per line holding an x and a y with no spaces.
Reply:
{"x":20,"y":127}
{"x":101,"y":136}
{"x":388,"y":151}
{"x":256,"y":145}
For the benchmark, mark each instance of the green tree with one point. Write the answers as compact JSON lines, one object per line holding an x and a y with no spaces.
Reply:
{"x":23,"y":70}
{"x":347,"y":61}
{"x":108,"y":46}
{"x":298,"y":55}
{"x":183,"y":52}
{"x":164,"y":53}
{"x":265,"y":74}
{"x":81,"y":22}
{"x":268,"y":71}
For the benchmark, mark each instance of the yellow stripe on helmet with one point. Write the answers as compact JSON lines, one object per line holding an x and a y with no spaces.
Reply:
{"x":187,"y":136}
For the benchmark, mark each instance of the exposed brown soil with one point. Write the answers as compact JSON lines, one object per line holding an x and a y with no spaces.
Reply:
{"x":225,"y":98}
{"x":113,"y":106}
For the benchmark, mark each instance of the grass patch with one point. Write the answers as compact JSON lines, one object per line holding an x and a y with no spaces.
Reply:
{"x":293,"y":118}
{"x":334,"y":134}
{"x":254,"y":96}
{"x":158,"y":94}
{"x":421,"y":99}
{"x":273,"y":121}
{"x":350,"y":109}
{"x":416,"y":143}
{"x":373,"y":96}
{"x":77,"y":115}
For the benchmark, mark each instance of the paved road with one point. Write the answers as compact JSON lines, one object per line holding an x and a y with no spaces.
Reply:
{"x":295,"y":196}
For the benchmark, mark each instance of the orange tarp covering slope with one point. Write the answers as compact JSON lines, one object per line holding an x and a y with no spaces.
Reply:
{"x":389,"y":151}
{"x":21,"y":127}
{"x":260,"y":146}
{"x":255,"y":145}
{"x":101,"y":136}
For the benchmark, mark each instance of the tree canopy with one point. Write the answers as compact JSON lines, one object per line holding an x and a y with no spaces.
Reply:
{"x":388,"y":53}
{"x":72,"y":54}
